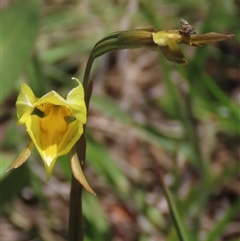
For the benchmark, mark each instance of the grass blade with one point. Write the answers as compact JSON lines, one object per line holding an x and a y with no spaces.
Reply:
{"x":181,"y":233}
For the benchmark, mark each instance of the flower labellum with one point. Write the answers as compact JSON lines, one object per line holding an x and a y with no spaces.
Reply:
{"x":53,"y":123}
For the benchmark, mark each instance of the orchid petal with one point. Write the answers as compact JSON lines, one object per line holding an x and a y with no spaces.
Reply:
{"x":22,"y":157}
{"x":78,"y":172}
{"x":173,"y":53}
{"x":51,"y":97}
{"x":78,"y":107}
{"x":25,"y":103}
{"x":167,"y":41}
{"x":165,"y":37}
{"x":208,"y":38}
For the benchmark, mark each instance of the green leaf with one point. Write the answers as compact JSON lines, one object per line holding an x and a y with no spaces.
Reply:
{"x":19,"y":29}
{"x":176,"y":219}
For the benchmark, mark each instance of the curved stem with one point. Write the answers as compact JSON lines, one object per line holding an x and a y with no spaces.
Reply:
{"x":75,"y":228}
{"x":141,"y":38}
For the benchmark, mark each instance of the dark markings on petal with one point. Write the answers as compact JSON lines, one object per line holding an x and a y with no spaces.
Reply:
{"x":69,"y":119}
{"x":38,"y":112}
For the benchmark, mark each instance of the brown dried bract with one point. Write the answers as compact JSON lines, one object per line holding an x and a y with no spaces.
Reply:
{"x":186,"y":28}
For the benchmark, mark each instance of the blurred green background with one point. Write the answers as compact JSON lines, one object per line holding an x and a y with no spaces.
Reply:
{"x":145,"y":112}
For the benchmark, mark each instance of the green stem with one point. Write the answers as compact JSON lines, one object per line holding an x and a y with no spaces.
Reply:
{"x":140,"y":38}
{"x":75,"y":228}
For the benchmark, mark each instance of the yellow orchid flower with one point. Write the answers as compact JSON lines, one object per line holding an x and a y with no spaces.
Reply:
{"x":166,"y":41}
{"x":54,"y":125}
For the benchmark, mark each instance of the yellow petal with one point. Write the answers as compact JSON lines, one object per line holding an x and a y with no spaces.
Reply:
{"x":23,"y":156}
{"x":78,"y":173}
{"x":168,"y":40}
{"x":25,"y":103}
{"x":53,"y":98}
{"x":49,"y":165}
{"x":75,"y":100}
{"x":173,"y":53}
{"x":166,"y":37}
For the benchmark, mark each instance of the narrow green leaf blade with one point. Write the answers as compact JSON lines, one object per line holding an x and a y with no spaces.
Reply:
{"x":177,"y":222}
